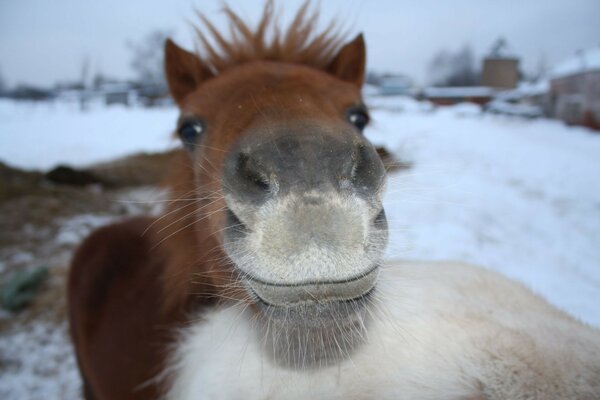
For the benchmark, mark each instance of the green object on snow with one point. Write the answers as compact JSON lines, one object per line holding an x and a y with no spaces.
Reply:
{"x":18,"y":292}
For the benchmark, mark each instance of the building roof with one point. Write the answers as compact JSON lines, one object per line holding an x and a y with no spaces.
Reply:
{"x":583,"y":61}
{"x":459,"y":92}
{"x":525,"y":89}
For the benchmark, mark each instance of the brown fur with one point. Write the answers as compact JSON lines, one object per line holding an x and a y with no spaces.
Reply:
{"x":133,"y":284}
{"x":114,"y":292}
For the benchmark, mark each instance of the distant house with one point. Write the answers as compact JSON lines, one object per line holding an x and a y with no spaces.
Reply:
{"x":116,"y":93}
{"x":500,"y":67}
{"x":444,"y":96}
{"x":575,"y":89}
{"x":151,"y":95}
{"x":500,"y":72}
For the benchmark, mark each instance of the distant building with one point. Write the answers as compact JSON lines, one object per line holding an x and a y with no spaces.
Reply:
{"x":395,"y":85}
{"x":500,"y":72}
{"x":575,"y":89}
{"x":152,"y":95}
{"x":116,"y":93}
{"x":528,"y":99}
{"x":500,"y":67}
{"x":26,"y":92}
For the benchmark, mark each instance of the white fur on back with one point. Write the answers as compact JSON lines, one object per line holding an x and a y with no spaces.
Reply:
{"x":441,"y":331}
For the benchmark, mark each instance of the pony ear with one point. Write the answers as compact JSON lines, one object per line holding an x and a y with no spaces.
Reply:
{"x":184,"y":71}
{"x":349,"y":64}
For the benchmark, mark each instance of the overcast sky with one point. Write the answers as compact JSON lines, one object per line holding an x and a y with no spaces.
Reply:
{"x":43,"y":41}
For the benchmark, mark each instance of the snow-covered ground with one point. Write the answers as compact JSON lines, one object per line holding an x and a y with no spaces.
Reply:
{"x":43,"y":135}
{"x":518,"y":196}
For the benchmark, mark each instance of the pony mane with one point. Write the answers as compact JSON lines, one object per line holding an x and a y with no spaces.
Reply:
{"x":300,"y":43}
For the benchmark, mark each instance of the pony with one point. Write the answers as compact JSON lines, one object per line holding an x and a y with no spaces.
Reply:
{"x":264,"y":277}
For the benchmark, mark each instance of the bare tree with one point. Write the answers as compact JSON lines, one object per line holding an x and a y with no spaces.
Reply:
{"x":84,"y":76}
{"x":83,"y":83}
{"x":454,"y":68}
{"x":147,"y":58}
{"x":542,"y":68}
{"x":2,"y":84}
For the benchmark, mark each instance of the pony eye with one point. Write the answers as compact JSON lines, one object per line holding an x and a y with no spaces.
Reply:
{"x":358,"y":118}
{"x":189,"y":132}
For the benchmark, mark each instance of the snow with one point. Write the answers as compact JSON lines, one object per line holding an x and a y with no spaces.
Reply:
{"x":525,"y":90}
{"x":75,"y":229}
{"x":31,"y":358}
{"x":41,"y":136}
{"x":582,"y":61}
{"x":538,"y":88}
{"x":517,"y":196}
{"x":398,"y":104}
{"x":516,"y":109}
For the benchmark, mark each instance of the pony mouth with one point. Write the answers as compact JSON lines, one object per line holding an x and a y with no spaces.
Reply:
{"x":313,"y":323}
{"x":314,"y":299}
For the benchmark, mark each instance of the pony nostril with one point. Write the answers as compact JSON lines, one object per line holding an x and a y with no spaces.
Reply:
{"x":233,"y":222}
{"x":363,"y":168}
{"x":380,"y":218}
{"x":358,"y":162}
{"x":250,"y":173}
{"x":259,"y":182}
{"x":367,"y":171}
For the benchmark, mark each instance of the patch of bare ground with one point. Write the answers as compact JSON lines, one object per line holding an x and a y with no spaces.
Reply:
{"x":41,"y":223}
